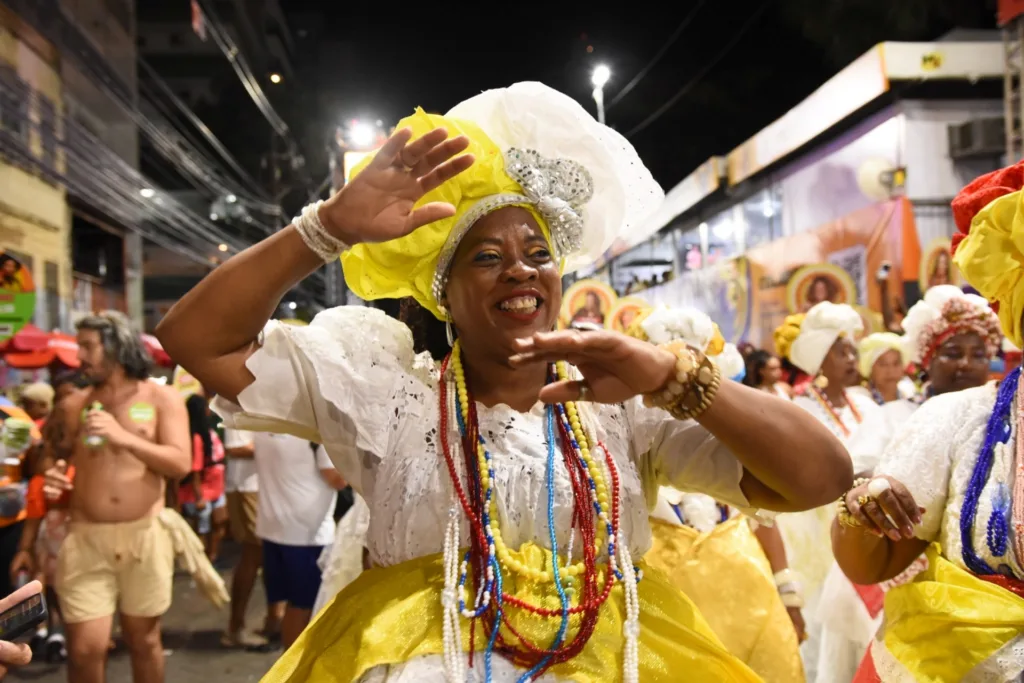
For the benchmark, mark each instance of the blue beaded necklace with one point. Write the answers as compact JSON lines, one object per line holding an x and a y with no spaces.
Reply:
{"x":998,"y":430}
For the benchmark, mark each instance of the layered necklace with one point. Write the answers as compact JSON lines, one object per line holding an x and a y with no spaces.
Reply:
{"x":474,"y":583}
{"x":831,"y":411}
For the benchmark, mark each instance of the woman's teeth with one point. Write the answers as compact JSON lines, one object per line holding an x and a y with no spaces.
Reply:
{"x":520,"y":304}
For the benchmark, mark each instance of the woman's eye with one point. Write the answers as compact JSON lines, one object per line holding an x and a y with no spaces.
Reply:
{"x":540,"y":254}
{"x":486,"y":256}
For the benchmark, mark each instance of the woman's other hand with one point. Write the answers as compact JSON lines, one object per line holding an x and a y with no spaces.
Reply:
{"x":615,"y":367}
{"x":377,"y":205}
{"x":878,"y":514}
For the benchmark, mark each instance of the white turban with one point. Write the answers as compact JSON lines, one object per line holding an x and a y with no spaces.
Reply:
{"x":822,"y":326}
{"x":946,"y":310}
{"x":874,"y":346}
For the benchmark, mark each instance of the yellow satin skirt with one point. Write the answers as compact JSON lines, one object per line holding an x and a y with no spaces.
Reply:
{"x":728,"y":577}
{"x":391,"y":615}
{"x":948,"y":621}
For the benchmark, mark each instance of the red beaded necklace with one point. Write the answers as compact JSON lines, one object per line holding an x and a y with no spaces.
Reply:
{"x":592,"y":595}
{"x":831,"y":409}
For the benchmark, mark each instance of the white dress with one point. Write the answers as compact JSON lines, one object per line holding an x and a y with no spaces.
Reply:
{"x":351,"y":381}
{"x":934,"y":457}
{"x":829,"y":656}
{"x":341,"y":563}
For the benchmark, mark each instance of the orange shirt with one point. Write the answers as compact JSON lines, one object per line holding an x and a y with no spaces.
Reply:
{"x":36,"y":504}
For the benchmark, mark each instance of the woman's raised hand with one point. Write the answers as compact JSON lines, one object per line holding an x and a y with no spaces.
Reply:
{"x":377,"y":205}
{"x":615,"y":367}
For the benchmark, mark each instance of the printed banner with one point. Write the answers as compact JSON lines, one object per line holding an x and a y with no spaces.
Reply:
{"x":751,"y":295}
{"x":587,"y":303}
{"x":17,"y":295}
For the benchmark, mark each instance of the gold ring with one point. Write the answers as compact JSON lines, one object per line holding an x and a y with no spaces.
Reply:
{"x":863,"y":500}
{"x":584,"y":393}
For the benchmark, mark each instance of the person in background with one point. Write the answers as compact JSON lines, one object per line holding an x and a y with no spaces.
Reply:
{"x":764,"y":372}
{"x":298,"y":491}
{"x":242,"y":487}
{"x":882,"y":361}
{"x":127,"y":436}
{"x":37,"y":400}
{"x":201,"y":493}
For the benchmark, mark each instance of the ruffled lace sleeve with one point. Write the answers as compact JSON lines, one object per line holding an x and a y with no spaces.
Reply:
{"x":682,"y":454}
{"x":343,"y":381}
{"x":920,"y":457}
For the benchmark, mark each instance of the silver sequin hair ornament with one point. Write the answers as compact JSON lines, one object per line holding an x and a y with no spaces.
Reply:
{"x":558,"y":189}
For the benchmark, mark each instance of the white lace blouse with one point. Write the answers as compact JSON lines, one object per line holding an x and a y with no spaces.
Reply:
{"x":351,"y":381}
{"x":934,"y":456}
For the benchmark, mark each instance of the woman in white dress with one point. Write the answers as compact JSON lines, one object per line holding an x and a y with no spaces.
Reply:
{"x":822,"y":344}
{"x":508,"y":492}
{"x":883,"y":365}
{"x":951,"y":483}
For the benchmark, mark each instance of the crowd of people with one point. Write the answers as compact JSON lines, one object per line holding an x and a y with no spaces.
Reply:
{"x":540,"y":504}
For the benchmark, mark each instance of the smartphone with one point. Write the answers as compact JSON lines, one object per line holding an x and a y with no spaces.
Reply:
{"x":25,"y":615}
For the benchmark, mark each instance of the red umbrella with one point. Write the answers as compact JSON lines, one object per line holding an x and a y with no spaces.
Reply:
{"x":59,"y":347}
{"x":28,"y":338}
{"x":156,"y":350}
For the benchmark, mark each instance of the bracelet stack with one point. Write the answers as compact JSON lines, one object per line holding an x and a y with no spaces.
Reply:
{"x":790,"y":590}
{"x":315,"y":235}
{"x":842,"y":512}
{"x":693,"y":388}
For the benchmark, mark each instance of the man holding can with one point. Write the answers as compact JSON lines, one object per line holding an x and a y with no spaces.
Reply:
{"x":126,"y":436}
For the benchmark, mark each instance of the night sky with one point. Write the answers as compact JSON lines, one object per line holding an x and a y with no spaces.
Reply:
{"x":739,"y":65}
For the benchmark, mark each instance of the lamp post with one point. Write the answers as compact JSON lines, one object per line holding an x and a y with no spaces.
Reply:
{"x":599,"y":78}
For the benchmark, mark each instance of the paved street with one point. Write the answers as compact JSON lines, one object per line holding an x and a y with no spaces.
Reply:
{"x":192,"y":632}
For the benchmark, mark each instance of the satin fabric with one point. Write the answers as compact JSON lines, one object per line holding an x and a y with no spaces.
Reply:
{"x":728,"y":577}
{"x":390,"y":615}
{"x":948,"y":621}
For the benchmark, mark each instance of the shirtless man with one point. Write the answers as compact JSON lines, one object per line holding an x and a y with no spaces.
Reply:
{"x":117,"y":555}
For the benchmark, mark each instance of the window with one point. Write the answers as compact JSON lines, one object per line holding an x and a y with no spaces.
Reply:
{"x":52,"y":289}
{"x":47,"y":134}
{"x":14,"y":97}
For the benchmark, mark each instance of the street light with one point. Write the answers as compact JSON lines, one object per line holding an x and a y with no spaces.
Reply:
{"x":599,"y":78}
{"x":275,"y":78}
{"x":361,"y":135}
{"x":147,"y":192}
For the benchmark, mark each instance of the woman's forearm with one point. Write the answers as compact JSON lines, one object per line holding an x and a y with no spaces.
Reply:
{"x":868,"y":559}
{"x":770,"y":539}
{"x":213,"y":328}
{"x":783,"y":447}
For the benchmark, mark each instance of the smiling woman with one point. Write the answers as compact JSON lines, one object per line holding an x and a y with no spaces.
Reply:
{"x":508,"y":490}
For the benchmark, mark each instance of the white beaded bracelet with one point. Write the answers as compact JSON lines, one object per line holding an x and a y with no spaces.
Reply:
{"x":313,"y":233}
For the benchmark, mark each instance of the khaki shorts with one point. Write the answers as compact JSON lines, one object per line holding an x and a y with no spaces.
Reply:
{"x":242,"y":507}
{"x":105,"y":568}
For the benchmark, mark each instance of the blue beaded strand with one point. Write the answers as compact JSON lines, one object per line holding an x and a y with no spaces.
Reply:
{"x":998,"y":430}
{"x":998,"y":531}
{"x":549,"y":415}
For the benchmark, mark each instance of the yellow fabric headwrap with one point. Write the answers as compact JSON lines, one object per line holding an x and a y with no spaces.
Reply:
{"x":405,"y":267}
{"x":786,"y":333}
{"x":876,"y":345}
{"x":991,"y":258}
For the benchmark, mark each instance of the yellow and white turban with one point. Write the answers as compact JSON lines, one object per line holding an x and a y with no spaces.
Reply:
{"x":806,"y":340}
{"x":874,"y":346}
{"x":989,"y":248}
{"x":946,"y":311}
{"x":535,"y":148}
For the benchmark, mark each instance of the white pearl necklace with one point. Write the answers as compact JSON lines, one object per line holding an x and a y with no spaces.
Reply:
{"x":451,"y":630}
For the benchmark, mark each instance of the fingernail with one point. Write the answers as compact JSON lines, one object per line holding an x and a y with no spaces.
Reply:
{"x":894,"y":535}
{"x":877,"y":533}
{"x":517,"y":358}
{"x":908,"y":533}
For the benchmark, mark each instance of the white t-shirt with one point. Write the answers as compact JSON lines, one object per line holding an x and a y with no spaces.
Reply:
{"x":296,"y":506}
{"x":241,"y":475}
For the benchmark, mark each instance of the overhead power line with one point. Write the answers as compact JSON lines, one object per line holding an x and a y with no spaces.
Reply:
{"x":736,"y":37}
{"x":657,"y":57}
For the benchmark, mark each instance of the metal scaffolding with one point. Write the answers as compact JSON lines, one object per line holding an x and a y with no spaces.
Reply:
{"x":1013,"y":50}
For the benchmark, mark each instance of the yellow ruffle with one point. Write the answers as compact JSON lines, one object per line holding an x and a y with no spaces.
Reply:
{"x":991,"y":258}
{"x":786,"y":333}
{"x":949,"y":621}
{"x":390,"y":615}
{"x":405,"y":267}
{"x":729,"y":579}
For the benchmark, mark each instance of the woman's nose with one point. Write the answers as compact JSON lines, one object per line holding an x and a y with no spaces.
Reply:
{"x":519,"y":270}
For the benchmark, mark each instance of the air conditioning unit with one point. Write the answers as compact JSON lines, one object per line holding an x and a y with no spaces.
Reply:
{"x":977,"y":138}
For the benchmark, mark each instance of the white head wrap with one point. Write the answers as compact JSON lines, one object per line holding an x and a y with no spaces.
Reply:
{"x":730,"y":362}
{"x":821,"y":327}
{"x":874,"y":346}
{"x":945,"y":308}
